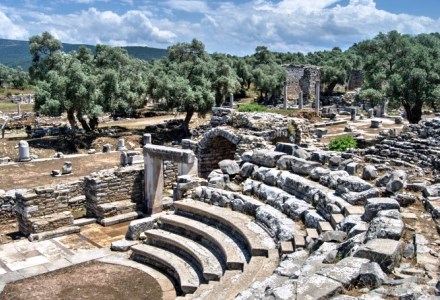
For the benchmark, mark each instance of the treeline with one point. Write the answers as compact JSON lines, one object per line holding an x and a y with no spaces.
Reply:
{"x":401,"y":68}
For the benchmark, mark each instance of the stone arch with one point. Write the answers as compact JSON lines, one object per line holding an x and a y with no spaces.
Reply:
{"x":216,"y":145}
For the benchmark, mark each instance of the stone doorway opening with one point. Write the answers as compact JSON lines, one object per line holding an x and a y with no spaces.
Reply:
{"x":216,"y":149}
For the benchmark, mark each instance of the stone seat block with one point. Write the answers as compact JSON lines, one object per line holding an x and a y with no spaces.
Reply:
{"x":336,"y":219}
{"x":354,"y":210}
{"x":324,"y":227}
{"x":236,"y":221}
{"x":181,"y":271}
{"x":111,"y":209}
{"x":47,"y":223}
{"x":286,"y":247}
{"x":121,"y":218}
{"x":300,"y":242}
{"x":230,"y":251}
{"x":312,"y":232}
{"x":211,"y":267}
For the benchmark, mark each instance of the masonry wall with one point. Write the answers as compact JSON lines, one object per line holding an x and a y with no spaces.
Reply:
{"x":301,"y":77}
{"x":356,"y":79}
{"x":216,"y":150}
{"x":124,"y":184}
{"x":170,"y":173}
{"x":46,"y":208}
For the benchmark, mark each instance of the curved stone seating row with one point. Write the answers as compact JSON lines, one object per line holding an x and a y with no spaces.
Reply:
{"x":200,"y":243}
{"x":230,"y":251}
{"x":186,"y":277}
{"x":211,"y":268}
{"x":233,"y":220}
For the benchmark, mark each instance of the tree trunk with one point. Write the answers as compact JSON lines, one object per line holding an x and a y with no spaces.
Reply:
{"x":83,"y":122}
{"x":331,"y":87}
{"x":71,"y":118}
{"x":93,"y":123}
{"x":413,"y":114}
{"x":185,"y":124}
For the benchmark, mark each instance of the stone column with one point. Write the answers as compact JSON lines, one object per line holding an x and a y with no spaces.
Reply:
{"x":300,"y":100}
{"x":353,"y":114}
{"x":23,"y":151}
{"x":318,"y":94}
{"x":153,"y":183}
{"x":124,"y":158}
{"x":146,"y":138}
{"x":231,"y":100}
{"x":371,"y":112}
{"x":18,"y":107}
{"x":285,"y":95}
{"x":121,"y":145}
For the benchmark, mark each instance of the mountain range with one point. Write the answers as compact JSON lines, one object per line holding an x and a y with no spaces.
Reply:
{"x":15,"y":53}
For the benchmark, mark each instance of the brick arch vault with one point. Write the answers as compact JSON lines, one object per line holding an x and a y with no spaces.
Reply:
{"x":216,"y":145}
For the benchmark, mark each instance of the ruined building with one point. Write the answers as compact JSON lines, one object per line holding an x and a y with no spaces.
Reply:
{"x":301,"y":77}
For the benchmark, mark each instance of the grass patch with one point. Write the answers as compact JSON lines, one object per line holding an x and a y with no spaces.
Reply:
{"x":9,"y":107}
{"x":252,"y":107}
{"x":342,"y":143}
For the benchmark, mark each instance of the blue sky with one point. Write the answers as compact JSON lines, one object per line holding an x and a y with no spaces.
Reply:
{"x":234,"y":27}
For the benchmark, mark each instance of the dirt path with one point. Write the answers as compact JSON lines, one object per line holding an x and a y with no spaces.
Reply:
{"x":33,"y":174}
{"x":86,"y":281}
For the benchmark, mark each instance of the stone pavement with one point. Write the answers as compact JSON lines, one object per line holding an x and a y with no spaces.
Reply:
{"x":23,"y":259}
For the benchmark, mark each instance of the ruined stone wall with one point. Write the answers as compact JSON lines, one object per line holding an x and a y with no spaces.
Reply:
{"x":170,"y":173}
{"x":114,"y":185}
{"x":216,"y":150}
{"x":7,"y":202}
{"x":301,"y":77}
{"x":45,"y":208}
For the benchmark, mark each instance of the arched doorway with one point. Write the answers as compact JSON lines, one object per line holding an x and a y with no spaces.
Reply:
{"x":215,"y":149}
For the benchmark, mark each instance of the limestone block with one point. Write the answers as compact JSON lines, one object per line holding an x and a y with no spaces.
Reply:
{"x":432,"y":190}
{"x":266,"y":158}
{"x":229,"y":167}
{"x":385,"y":252}
{"x":371,"y":276}
{"x":374,"y":205}
{"x":318,"y":172}
{"x":369,"y":173}
{"x":283,"y":227}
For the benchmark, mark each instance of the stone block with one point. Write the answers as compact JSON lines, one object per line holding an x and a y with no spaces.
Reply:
{"x":385,"y":252}
{"x":266,"y":158}
{"x":374,"y":205}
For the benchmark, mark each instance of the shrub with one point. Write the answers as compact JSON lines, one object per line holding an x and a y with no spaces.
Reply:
{"x":251,"y":107}
{"x":342,"y":143}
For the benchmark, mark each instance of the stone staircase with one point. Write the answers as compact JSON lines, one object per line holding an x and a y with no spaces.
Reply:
{"x":207,"y":250}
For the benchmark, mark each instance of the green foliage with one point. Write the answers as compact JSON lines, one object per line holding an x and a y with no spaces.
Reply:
{"x":372,"y":96}
{"x":252,"y":107}
{"x":342,"y":143}
{"x":405,"y":69}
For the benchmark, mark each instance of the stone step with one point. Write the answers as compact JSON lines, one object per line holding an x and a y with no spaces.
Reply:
{"x":230,"y":251}
{"x":84,"y":221}
{"x":110,"y":209}
{"x":211,"y":268}
{"x":324,"y":227}
{"x":336,"y":219}
{"x":232,"y":220}
{"x":181,"y":271}
{"x":354,"y":210}
{"x":121,"y":218}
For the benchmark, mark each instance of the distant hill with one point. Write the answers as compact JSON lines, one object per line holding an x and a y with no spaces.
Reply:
{"x":16,"y":53}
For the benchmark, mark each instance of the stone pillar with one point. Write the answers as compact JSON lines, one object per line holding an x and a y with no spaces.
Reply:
{"x":23,"y":151}
{"x":153,"y":183}
{"x":124,"y":158}
{"x":300,"y":100}
{"x":384,"y":110}
{"x":121,"y":145}
{"x":285,"y":95}
{"x":18,"y":107}
{"x":371,"y":113}
{"x":352,"y":114}
{"x":106,"y":148}
{"x":146,"y":138}
{"x":231,"y":100}
{"x":318,"y":94}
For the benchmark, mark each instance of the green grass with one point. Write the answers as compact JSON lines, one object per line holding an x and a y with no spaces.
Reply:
{"x":342,"y":143}
{"x":8,"y":107}
{"x":252,"y":107}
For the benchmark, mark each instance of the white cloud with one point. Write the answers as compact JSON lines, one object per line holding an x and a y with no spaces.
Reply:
{"x":10,"y":30}
{"x":224,"y":26}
